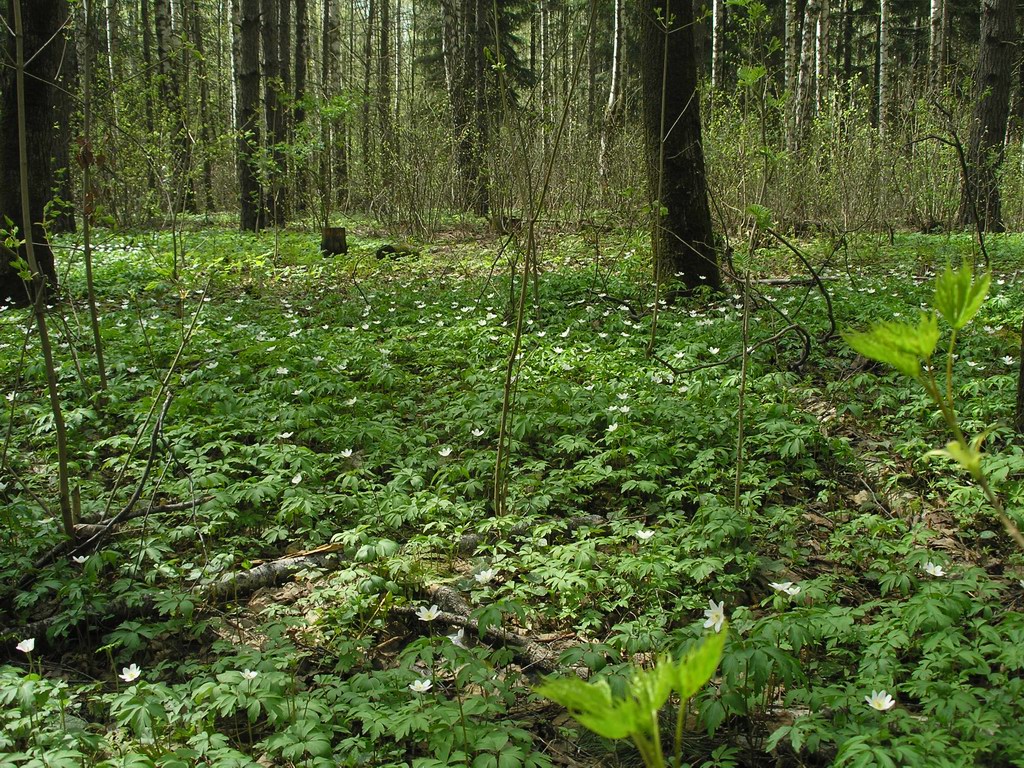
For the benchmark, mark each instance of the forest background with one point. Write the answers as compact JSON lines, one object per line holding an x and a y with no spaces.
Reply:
{"x":245,"y":482}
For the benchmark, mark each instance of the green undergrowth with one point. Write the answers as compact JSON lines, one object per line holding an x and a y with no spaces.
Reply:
{"x":353,"y":404}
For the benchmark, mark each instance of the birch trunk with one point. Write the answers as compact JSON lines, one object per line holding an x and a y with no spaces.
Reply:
{"x":823,"y":75}
{"x":936,"y":46}
{"x":884,"y":66}
{"x":805,"y":85}
{"x":792,"y":45}
{"x":613,"y":106}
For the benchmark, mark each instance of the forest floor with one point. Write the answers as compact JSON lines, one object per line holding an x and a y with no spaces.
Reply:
{"x":313,"y":572}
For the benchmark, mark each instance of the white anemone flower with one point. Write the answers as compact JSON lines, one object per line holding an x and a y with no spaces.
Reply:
{"x":880,"y":700}
{"x":130,"y":674}
{"x":785,"y":586}
{"x":458,"y":638}
{"x":27,"y":645}
{"x":428,"y":614}
{"x":249,"y":674}
{"x":420,"y":686}
{"x":644,"y":535}
{"x":715,"y":615}
{"x":934,"y":570}
{"x":485,"y":576}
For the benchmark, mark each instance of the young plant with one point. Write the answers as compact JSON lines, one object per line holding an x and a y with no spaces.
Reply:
{"x":910,"y":348}
{"x":635,"y":715}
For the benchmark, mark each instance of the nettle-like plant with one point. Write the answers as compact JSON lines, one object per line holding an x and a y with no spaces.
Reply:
{"x":635,"y":715}
{"x":910,"y":348}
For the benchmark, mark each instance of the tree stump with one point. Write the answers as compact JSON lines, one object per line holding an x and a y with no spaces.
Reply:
{"x":332,"y":241}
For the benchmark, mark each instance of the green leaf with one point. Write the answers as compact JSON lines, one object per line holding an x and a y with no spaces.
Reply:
{"x":695,"y":669}
{"x":591,"y":704}
{"x":901,"y":345}
{"x":959,"y":296}
{"x":967,"y":456}
{"x":762,"y":216}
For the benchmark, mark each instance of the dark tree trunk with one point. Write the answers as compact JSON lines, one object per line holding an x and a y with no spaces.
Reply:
{"x":681,"y":237}
{"x":44,"y":49}
{"x":63,"y":215}
{"x":369,"y":176}
{"x":272,"y":103}
{"x":979,"y":199}
{"x":384,"y":98}
{"x":299,"y":114}
{"x":471,"y":35}
{"x":252,"y":212}
{"x":206,"y":127}
{"x":147,"y":60}
{"x":284,"y":112}
{"x":168,"y":46}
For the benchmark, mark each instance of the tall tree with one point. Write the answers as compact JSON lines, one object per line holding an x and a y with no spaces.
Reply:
{"x":299,"y":96}
{"x":272,"y":103}
{"x":937,"y":46}
{"x":249,"y":187}
{"x":43,"y":52}
{"x":384,"y":98}
{"x":717,"y":43}
{"x":682,"y":237}
{"x":885,"y":65}
{"x":805,"y":92}
{"x":614,"y":105}
{"x":168,"y":47}
{"x":980,"y":202}
{"x":823,"y":66}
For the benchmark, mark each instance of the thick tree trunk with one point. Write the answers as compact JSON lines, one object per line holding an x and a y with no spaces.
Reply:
{"x":980,"y":201}
{"x":681,"y":237}
{"x":43,"y":52}
{"x":272,"y":105}
{"x":251,"y":193}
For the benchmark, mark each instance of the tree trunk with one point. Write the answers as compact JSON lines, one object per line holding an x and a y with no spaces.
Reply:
{"x":805,"y":96}
{"x":792,"y":46}
{"x":681,"y":237}
{"x":43,"y":52}
{"x":299,"y":113}
{"x":251,"y":193}
{"x":284,"y":91}
{"x":717,"y":43}
{"x":147,"y":60}
{"x":369,"y":176}
{"x":936,"y":47}
{"x":613,"y":106}
{"x":885,"y":55}
{"x":979,"y":200}
{"x":205,"y":119}
{"x":384,"y":99}
{"x":823,"y":75}
{"x":272,"y":105}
